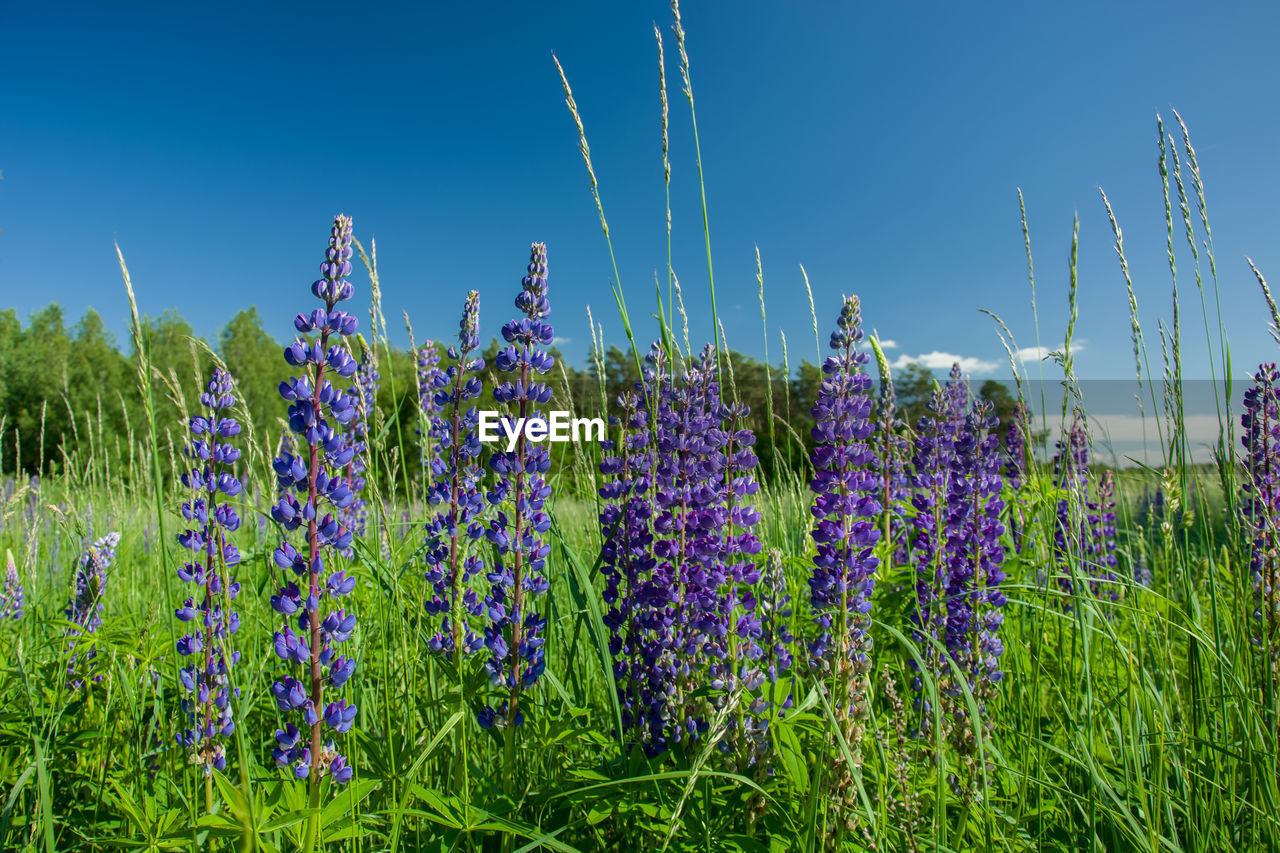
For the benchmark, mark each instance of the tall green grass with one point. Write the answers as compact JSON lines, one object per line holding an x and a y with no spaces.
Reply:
{"x":1148,"y":724}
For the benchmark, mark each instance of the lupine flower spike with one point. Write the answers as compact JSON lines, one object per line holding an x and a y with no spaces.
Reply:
{"x":520,"y":554}
{"x":1101,"y":545}
{"x":428,"y":366}
{"x":356,"y":516}
{"x":206,"y":646}
{"x":454,"y":471}
{"x":772,"y":607}
{"x":84,"y":610}
{"x":892,"y":453}
{"x":687,"y":524}
{"x":633,"y":616}
{"x":320,"y":415}
{"x":1084,"y":529}
{"x":669,"y":566}
{"x":959,"y":573}
{"x":286,"y":449}
{"x":1261,"y":507}
{"x":735,"y":648}
{"x":845,"y":511}
{"x":11,"y":598}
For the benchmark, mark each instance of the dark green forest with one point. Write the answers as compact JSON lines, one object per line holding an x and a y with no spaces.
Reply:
{"x":69,"y":390}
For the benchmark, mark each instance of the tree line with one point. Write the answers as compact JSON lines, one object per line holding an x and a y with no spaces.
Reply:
{"x":71,"y":390}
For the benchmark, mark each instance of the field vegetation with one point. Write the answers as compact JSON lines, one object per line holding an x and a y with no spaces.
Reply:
{"x":266,"y":595}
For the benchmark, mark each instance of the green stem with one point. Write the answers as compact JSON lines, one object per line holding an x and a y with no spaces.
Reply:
{"x":312,"y":837}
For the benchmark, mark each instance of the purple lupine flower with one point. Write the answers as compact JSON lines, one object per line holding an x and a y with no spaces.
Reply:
{"x":687,"y":527}
{"x":1071,"y":475}
{"x":664,"y":553}
{"x":1100,"y":545}
{"x":520,"y":554}
{"x":845,"y":511}
{"x":678,"y":558}
{"x":1157,"y":505}
{"x":321,"y":416}
{"x":760,"y":675}
{"x":11,"y":598}
{"x":428,"y":366}
{"x":893,"y":452}
{"x":955,"y":394}
{"x":284,"y":485}
{"x":734,"y":646}
{"x":206,"y":646}
{"x":959,"y":555}
{"x":1085,"y":519}
{"x":428,"y":358}
{"x":456,"y":529}
{"x":84,"y":610}
{"x":367,"y":378}
{"x":1260,"y":506}
{"x":979,"y":546}
{"x":1142,"y":571}
{"x":627,"y":563}
{"x":933,"y":464}
{"x":1016,"y":446}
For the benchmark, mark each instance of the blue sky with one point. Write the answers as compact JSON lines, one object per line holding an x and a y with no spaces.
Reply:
{"x":881,"y":146}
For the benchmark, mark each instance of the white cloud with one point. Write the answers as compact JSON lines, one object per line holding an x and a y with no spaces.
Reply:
{"x":559,"y":340}
{"x":888,"y":344}
{"x":1028,"y":355}
{"x":943,"y":360}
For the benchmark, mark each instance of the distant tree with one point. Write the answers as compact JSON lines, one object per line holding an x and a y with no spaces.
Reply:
{"x":255,"y":361}
{"x":174,"y":352}
{"x":1002,"y":402}
{"x":36,"y":377}
{"x":10,"y":330}
{"x":914,"y":387}
{"x":97,"y":382}
{"x":180,"y":363}
{"x":620,"y":373}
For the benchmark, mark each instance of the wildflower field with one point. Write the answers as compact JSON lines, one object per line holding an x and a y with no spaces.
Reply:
{"x":280,"y":596}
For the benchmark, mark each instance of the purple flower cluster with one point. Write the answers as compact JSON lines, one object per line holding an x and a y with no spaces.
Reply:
{"x":636,"y":600}
{"x":1100,"y":546}
{"x":845,"y":511}
{"x":1071,"y":475}
{"x":679,"y":559}
{"x":520,"y":554}
{"x":1151,"y":506}
{"x":772,"y":607}
{"x":84,"y":610}
{"x":318,"y":495}
{"x":206,"y":647}
{"x":11,"y":597}
{"x":284,"y":485}
{"x":1085,"y":519}
{"x":1260,"y":505}
{"x":457,"y":528}
{"x":959,"y":556}
{"x":892,"y":453}
{"x":367,"y":381}
{"x":688,"y":522}
{"x":1016,"y":446}
{"x":738,"y":660}
{"x":1141,"y":571}
{"x":428,"y":359}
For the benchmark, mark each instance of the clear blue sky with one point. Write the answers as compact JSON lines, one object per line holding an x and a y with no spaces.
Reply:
{"x":881,"y":146}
